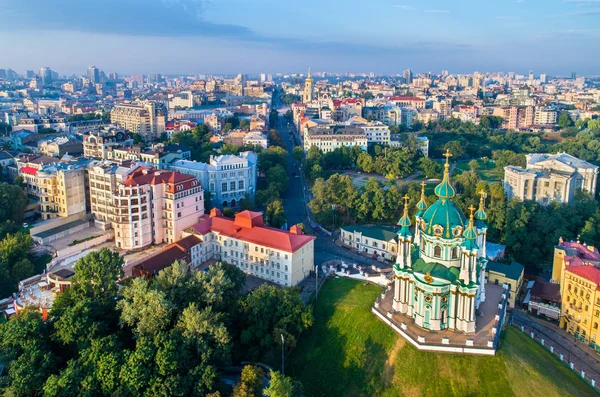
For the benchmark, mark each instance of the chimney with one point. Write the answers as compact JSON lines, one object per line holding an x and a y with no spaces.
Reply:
{"x":296,"y":229}
{"x":215,"y":212}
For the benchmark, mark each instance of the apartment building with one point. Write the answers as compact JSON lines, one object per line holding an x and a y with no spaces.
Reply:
{"x":158,"y":155}
{"x":550,"y":177}
{"x":103,"y":179}
{"x":376,"y":131}
{"x":328,"y":139}
{"x":279,"y":256}
{"x":144,"y":118}
{"x":154,"y":206}
{"x":516,"y":117}
{"x":545,"y":116}
{"x":97,"y":143}
{"x":228,"y":178}
{"x":61,"y":190}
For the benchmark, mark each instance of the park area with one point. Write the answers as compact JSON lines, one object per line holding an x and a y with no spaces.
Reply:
{"x":349,"y":352}
{"x":487,"y":170}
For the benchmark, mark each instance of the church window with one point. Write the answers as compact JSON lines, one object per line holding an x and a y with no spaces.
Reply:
{"x":455,"y":253}
{"x":437,"y":251}
{"x":438,"y":230}
{"x":457,"y":231}
{"x":428,"y":298}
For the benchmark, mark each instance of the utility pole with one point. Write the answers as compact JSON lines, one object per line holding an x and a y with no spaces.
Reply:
{"x":316,"y":282}
{"x":282,"y":357}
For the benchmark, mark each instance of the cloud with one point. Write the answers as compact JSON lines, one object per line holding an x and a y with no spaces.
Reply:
{"x":507,"y":18}
{"x":438,"y":11}
{"x":403,"y":7}
{"x":584,"y":13}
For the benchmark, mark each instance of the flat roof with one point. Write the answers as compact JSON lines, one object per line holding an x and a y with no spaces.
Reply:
{"x":59,"y":229}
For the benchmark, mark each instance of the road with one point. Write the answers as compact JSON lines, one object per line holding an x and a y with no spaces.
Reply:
{"x":295,"y":200}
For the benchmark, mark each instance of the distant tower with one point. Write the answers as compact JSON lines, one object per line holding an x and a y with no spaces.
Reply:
{"x":309,"y":89}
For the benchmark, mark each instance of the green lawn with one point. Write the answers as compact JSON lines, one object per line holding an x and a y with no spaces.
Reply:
{"x":487,"y":172}
{"x":349,"y":352}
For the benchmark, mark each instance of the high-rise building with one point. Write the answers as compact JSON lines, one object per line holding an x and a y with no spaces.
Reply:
{"x":573,"y":75}
{"x":445,"y":73}
{"x":408,"y":76}
{"x":30,"y":74}
{"x":270,"y":77}
{"x":154,"y":206}
{"x":309,"y":89}
{"x":543,"y":78}
{"x":93,"y":74}
{"x":263,"y":77}
{"x":46,"y":75}
{"x":145,"y":118}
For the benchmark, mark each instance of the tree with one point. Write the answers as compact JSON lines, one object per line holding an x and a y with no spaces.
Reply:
{"x":12,"y":207}
{"x":278,"y":178}
{"x":274,"y":214}
{"x":564,"y":120}
{"x":474,"y":165}
{"x":137,"y":139}
{"x":456,"y":148}
{"x":250,"y":383}
{"x":429,"y":167}
{"x":298,"y":153}
{"x":270,"y":157}
{"x":96,"y":275}
{"x":14,"y":263}
{"x":244,"y":124}
{"x":283,"y":386}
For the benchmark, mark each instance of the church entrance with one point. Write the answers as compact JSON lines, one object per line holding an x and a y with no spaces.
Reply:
{"x":443,"y":320}
{"x":427,"y":318}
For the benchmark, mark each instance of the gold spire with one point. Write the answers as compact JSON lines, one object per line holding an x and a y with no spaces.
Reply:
{"x":471,"y":216}
{"x":423,"y":188}
{"x":447,"y":155}
{"x":444,"y":189}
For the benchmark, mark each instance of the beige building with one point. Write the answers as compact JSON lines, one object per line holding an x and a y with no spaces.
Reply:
{"x":330,"y":139}
{"x":154,"y":206}
{"x":516,"y":117}
{"x":144,"y":118}
{"x":378,"y":241}
{"x":97,"y":143}
{"x":283,"y":257}
{"x":61,"y":190}
{"x":545,"y":116}
{"x":550,"y":177}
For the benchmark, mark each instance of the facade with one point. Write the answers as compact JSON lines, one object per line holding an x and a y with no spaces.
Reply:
{"x":572,"y":252}
{"x":516,"y":117}
{"x":378,"y":241}
{"x":550,"y":177}
{"x":228,"y":178}
{"x":330,"y":139}
{"x":440,"y":271}
{"x":545,"y":116}
{"x":147,"y":119}
{"x":103,"y":179}
{"x":158,"y":156}
{"x":97,"y":143}
{"x":256,"y":138}
{"x":154,"y":206}
{"x":61,"y":189}
{"x":279,"y":256}
{"x":509,"y":274}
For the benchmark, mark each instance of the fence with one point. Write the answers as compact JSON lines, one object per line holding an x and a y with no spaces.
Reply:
{"x":549,"y":347}
{"x":84,"y":245}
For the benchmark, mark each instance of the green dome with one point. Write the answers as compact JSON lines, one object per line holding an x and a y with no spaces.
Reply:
{"x":446,"y":214}
{"x":404,"y":222}
{"x":480,"y":215}
{"x":470,"y":234}
{"x":421,"y":205}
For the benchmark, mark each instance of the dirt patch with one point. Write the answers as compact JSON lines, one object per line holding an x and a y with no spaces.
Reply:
{"x":388,"y":369}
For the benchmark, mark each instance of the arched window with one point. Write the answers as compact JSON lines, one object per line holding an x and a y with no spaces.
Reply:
{"x":455,"y":253}
{"x":437,"y":251}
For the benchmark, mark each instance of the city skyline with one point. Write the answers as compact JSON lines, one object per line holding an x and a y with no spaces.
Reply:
{"x":197,"y":36}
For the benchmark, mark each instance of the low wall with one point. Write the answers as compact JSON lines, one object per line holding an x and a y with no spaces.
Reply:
{"x":436,"y":348}
{"x":56,"y":222}
{"x":85,"y":245}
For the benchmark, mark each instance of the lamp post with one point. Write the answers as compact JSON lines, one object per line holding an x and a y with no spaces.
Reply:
{"x":282,"y":357}
{"x":316,"y":282}
{"x":333,"y":211}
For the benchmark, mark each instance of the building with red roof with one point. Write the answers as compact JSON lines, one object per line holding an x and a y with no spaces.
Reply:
{"x":280,"y":256}
{"x":154,"y":206}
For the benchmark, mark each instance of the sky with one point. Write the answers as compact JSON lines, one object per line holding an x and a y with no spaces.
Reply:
{"x":254,"y":36}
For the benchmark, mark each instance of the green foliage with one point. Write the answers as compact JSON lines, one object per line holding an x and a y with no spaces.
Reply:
{"x":250,"y":383}
{"x":275,"y":138}
{"x":283,"y":386}
{"x":274,"y":214}
{"x":268,"y":312}
{"x":271,"y":157}
{"x":12,"y":206}
{"x":430,"y":168}
{"x":564,"y":120}
{"x":244,"y":124}
{"x":137,"y":139}
{"x":15,"y":264}
{"x":198,"y":140}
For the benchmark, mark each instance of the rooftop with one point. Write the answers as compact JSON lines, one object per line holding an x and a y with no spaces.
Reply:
{"x":514,"y":271}
{"x":383,"y":233}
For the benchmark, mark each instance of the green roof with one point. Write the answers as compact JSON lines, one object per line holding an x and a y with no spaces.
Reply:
{"x":446,"y":214}
{"x":383,"y":233}
{"x":513,"y":271}
{"x":436,"y":270}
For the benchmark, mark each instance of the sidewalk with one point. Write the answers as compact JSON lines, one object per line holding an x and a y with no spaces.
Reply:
{"x":581,"y":355}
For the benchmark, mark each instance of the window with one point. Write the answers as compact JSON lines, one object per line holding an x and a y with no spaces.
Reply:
{"x":455,"y":253}
{"x":224,"y":186}
{"x":231,"y":185}
{"x":437,"y":251}
{"x":240,"y":185}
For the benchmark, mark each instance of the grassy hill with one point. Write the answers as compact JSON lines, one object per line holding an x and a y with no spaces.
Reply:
{"x":348,"y":352}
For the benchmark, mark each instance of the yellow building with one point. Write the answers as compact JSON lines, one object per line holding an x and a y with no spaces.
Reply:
{"x":503,"y":273}
{"x":579,"y":280}
{"x":61,"y":190}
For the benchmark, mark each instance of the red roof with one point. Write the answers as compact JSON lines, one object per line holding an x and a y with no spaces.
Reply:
{"x":174,"y":252}
{"x":590,"y":273}
{"x":151,"y":176}
{"x":29,"y":170}
{"x":583,"y":251}
{"x":249,"y":226}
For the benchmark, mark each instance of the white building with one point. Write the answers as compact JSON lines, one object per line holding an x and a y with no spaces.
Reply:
{"x":550,"y":177}
{"x":256,"y":138}
{"x":228,"y":178}
{"x":154,"y":206}
{"x":545,"y":116}
{"x":328,"y":139}
{"x":283,"y":257}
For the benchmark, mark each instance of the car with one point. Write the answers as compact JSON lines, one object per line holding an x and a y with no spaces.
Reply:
{"x":25,"y":224}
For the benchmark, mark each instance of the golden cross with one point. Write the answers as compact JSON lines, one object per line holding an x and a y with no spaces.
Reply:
{"x":447,"y":155}
{"x":405,"y":199}
{"x":472,"y":209}
{"x":423,"y":186}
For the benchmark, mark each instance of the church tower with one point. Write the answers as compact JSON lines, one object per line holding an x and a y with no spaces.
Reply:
{"x":309,"y":89}
{"x":403,"y":263}
{"x":421,"y":208}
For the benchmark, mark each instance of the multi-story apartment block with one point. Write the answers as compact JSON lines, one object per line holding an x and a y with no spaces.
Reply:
{"x":408,"y":101}
{"x":376,"y":131}
{"x":154,"y":206}
{"x":228,"y":178}
{"x":34,"y":124}
{"x":545,"y":116}
{"x":159,"y":156}
{"x":516,"y":117}
{"x":98,"y":142}
{"x":144,"y":118}
{"x":103,"y":179}
{"x":328,"y":139}
{"x":283,"y":257}
{"x":61,"y":189}
{"x":550,"y":177}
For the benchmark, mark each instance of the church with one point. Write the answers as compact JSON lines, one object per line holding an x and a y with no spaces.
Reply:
{"x":439,"y":272}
